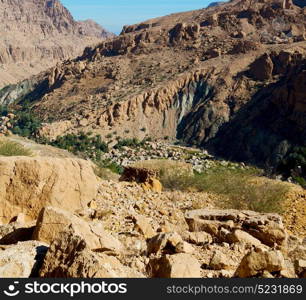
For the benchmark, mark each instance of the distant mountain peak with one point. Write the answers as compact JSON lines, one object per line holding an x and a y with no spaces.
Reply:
{"x":36,"y":34}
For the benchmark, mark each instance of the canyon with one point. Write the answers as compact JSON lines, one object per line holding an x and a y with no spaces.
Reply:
{"x":193,"y":76}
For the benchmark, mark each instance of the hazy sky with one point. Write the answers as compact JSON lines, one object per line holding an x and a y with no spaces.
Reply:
{"x":113,"y":14}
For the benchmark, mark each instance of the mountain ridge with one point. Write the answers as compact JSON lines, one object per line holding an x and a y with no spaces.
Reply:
{"x":182,"y":76}
{"x":36,"y":34}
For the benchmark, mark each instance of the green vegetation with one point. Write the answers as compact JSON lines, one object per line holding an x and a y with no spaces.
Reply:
{"x":82,"y":144}
{"x":236,"y":188}
{"x":105,"y":173}
{"x":294,"y":165}
{"x":107,"y":164}
{"x":87,"y":146}
{"x":25,"y":122}
{"x":9,"y":148}
{"x":132,"y":143}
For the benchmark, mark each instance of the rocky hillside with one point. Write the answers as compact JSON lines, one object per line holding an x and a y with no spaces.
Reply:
{"x":58,"y":219}
{"x":36,"y":34}
{"x":229,"y":78}
{"x":195,"y":76}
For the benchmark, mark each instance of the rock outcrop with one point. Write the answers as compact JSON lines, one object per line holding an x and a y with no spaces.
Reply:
{"x":255,"y":263}
{"x":145,"y":176}
{"x":51,"y":221}
{"x":69,"y":257}
{"x":232,"y":226}
{"x":176,"y":266}
{"x":21,"y":260}
{"x":28,"y":184}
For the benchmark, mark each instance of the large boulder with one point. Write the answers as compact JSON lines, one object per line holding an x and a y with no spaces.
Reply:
{"x":164,"y":243}
{"x":262,"y":68}
{"x":21,"y":260}
{"x":143,"y":225}
{"x":298,"y":257}
{"x":257,"y":262}
{"x":14,"y":233}
{"x":139,"y":175}
{"x":70,"y":257}
{"x":198,"y":238}
{"x":227,"y":226}
{"x":51,"y":222}
{"x":220,"y":261}
{"x":28,"y":184}
{"x":147,"y":177}
{"x":180,"y":265}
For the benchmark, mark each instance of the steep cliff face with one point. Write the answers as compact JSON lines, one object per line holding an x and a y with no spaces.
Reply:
{"x":35,"y":34}
{"x":274,"y":120}
{"x":200,"y":76}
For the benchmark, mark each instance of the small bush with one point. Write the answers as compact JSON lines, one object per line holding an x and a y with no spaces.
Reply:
{"x":294,"y":165}
{"x":9,"y":148}
{"x":105,"y":173}
{"x":108,"y":164}
{"x":133,"y":143}
{"x":300,"y":180}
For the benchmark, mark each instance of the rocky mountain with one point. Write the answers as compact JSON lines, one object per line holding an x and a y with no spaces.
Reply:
{"x":36,"y":34}
{"x":230,"y":78}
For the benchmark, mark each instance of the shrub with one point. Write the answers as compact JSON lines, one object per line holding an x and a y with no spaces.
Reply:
{"x":108,"y":164}
{"x":133,"y":143}
{"x":82,"y":143}
{"x":4,"y":110}
{"x":237,"y":188}
{"x":10,"y":148}
{"x":25,"y":123}
{"x":105,"y":173}
{"x":294,"y":165}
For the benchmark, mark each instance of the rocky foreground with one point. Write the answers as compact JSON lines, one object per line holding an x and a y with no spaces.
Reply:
{"x":60,"y":220}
